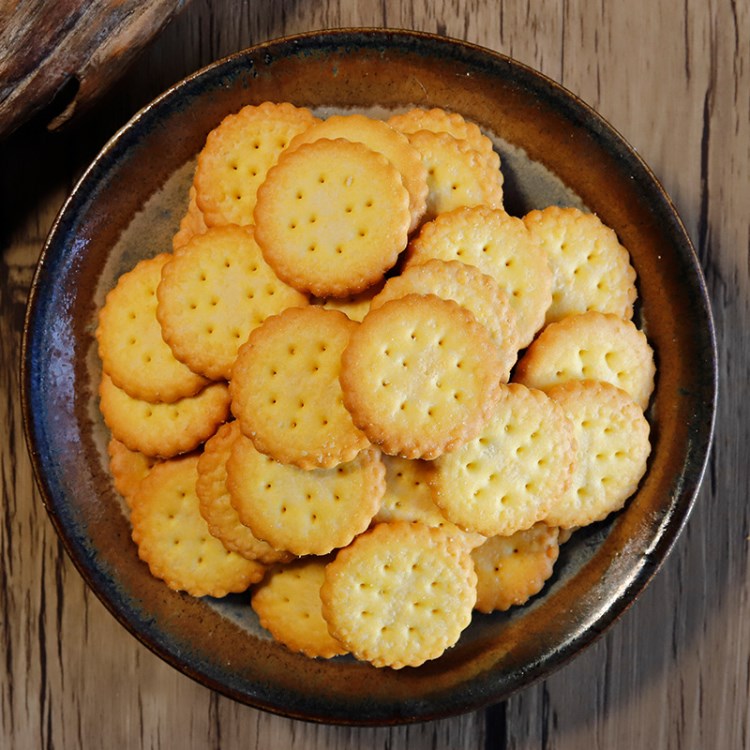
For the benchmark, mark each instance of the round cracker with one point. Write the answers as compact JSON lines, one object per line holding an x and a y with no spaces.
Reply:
{"x":332,"y":217}
{"x":128,"y":468}
{"x":612,"y":436}
{"x":507,"y":478}
{"x":237,"y":156}
{"x":215,"y":503}
{"x":173,"y":538}
{"x":163,"y":430}
{"x":288,"y":605}
{"x":479,"y":293}
{"x":591,"y":346}
{"x":419,"y":376}
{"x":130,"y":344}
{"x":307,"y":512}
{"x":500,"y":246}
{"x":213,"y":293}
{"x":400,"y":595}
{"x":192,"y":224}
{"x":591,"y":270}
{"x":438,"y":120}
{"x":512,"y":569}
{"x":378,"y":136}
{"x":457,"y":174}
{"x":286,"y":392}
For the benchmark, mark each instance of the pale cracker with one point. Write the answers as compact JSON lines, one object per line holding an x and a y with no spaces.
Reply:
{"x":439,"y":121}
{"x":192,"y":224}
{"x":286,"y":392}
{"x":332,"y":217}
{"x":457,"y":175}
{"x":307,"y":512}
{"x":128,"y":468}
{"x":213,"y":293}
{"x":237,"y":156}
{"x":512,"y":569}
{"x":419,"y":376}
{"x":163,"y":430}
{"x":400,"y":595}
{"x":408,"y":497}
{"x":500,"y":246}
{"x":479,"y":293}
{"x":355,"y":306}
{"x":215,"y":505}
{"x":591,"y":270}
{"x":173,"y":538}
{"x":288,"y":605}
{"x":130,"y":343}
{"x":507,"y":478}
{"x":613,"y":448}
{"x":591,"y":346}
{"x":382,"y":138}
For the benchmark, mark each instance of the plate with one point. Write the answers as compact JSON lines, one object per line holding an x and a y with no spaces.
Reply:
{"x":555,"y":149}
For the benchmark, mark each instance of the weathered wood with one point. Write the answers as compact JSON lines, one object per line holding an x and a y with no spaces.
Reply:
{"x":62,"y":55}
{"x":674,"y":672}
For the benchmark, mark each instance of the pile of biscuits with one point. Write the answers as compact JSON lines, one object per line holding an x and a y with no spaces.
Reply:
{"x":358,"y":388}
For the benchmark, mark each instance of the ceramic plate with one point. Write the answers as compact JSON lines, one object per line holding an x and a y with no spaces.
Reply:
{"x":554,"y":149}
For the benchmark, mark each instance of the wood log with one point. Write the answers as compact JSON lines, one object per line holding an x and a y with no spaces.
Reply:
{"x":57,"y":58}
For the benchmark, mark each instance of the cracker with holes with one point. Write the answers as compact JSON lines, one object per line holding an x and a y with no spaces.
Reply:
{"x":512,"y":569}
{"x":131,"y":347}
{"x":479,"y":293}
{"x":307,"y":512}
{"x":420,"y":376}
{"x":457,"y":174}
{"x":173,"y":538}
{"x":591,"y":270}
{"x":192,"y":224}
{"x":213,"y":293}
{"x":288,"y":605}
{"x":613,"y":447}
{"x":215,"y":504}
{"x":380,"y":137}
{"x":439,"y":120}
{"x":163,"y":430}
{"x":507,"y":478}
{"x":237,"y":156}
{"x":286,"y":392}
{"x":408,"y":497}
{"x":332,"y":217}
{"x":499,"y":245}
{"x":128,"y":468}
{"x":400,"y":595}
{"x":591,"y":346}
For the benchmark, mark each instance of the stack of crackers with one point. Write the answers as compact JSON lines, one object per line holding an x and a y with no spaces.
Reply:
{"x":359,"y":389}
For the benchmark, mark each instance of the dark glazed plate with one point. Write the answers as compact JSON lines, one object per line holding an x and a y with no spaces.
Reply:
{"x":555,"y":150}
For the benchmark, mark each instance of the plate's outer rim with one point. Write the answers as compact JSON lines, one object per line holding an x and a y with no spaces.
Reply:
{"x":672,"y":524}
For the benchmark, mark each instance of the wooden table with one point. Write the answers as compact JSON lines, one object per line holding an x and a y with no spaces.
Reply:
{"x":674,"y":77}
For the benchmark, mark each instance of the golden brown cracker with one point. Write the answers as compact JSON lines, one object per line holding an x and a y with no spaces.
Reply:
{"x":288,"y":605}
{"x":286,"y":392}
{"x":612,"y":436}
{"x":332,"y":217}
{"x":507,"y":478}
{"x":307,"y":512}
{"x":211,"y":295}
{"x":400,"y":595}
{"x":419,"y":376}
{"x":591,"y":346}
{"x":130,"y":343}
{"x":173,"y":538}
{"x":128,"y":468}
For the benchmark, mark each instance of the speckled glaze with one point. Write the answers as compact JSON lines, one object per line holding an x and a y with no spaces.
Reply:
{"x":555,"y":149}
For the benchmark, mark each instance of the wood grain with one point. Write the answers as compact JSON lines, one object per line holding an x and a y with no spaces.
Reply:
{"x":674,"y":672}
